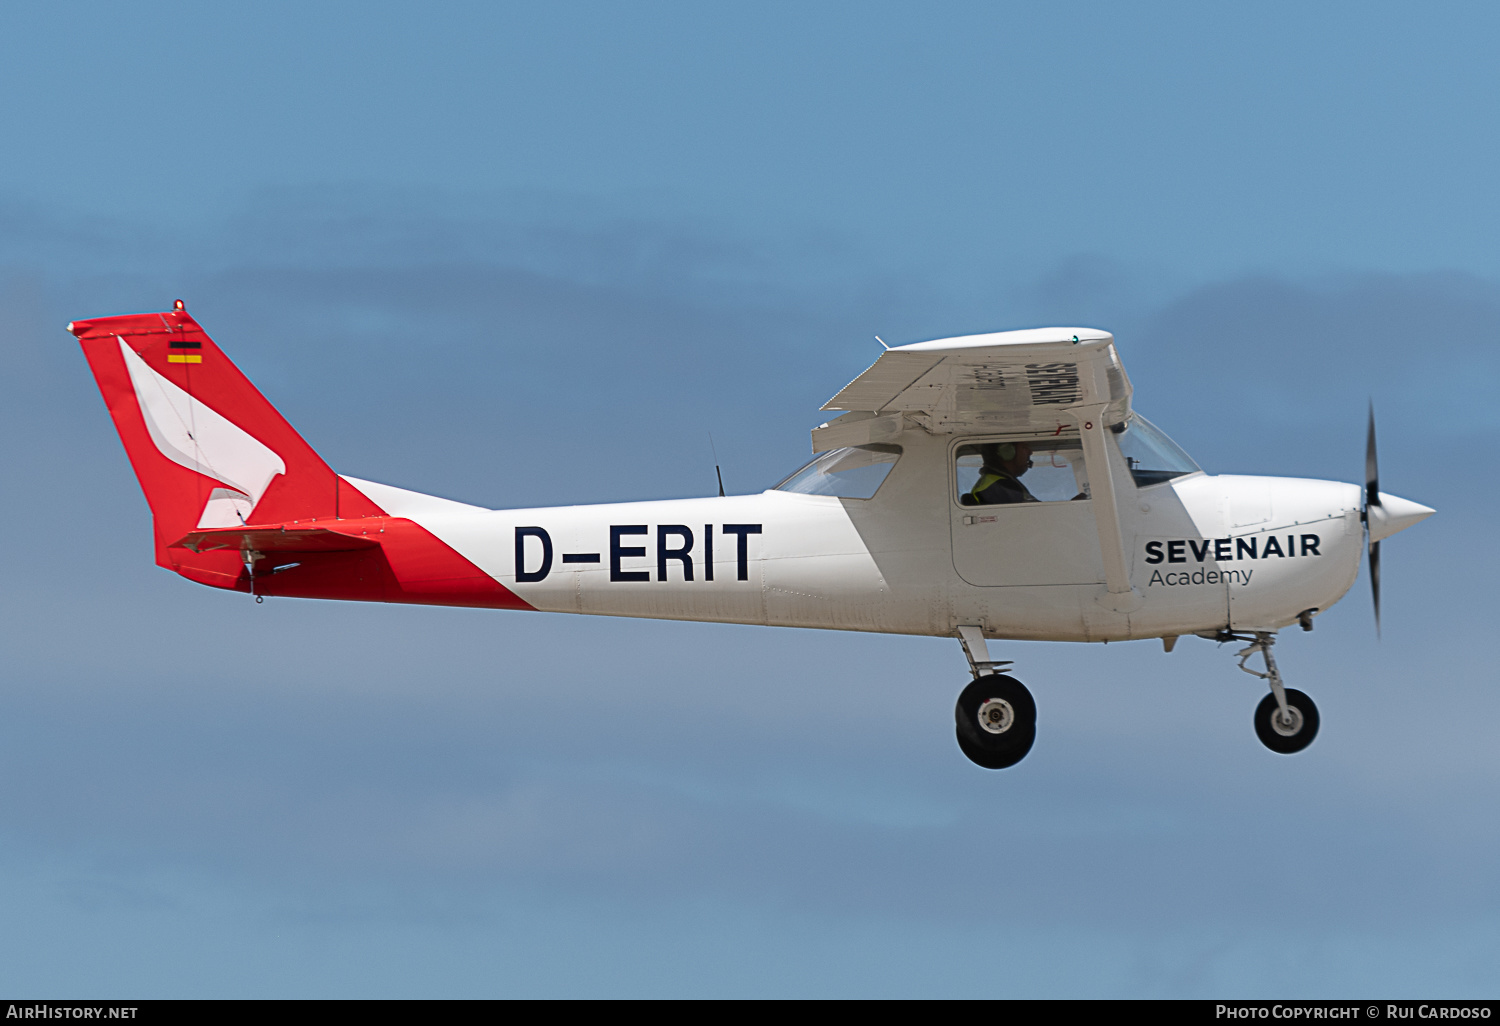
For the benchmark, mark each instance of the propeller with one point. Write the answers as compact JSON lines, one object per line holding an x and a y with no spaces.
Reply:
{"x":1372,"y":501}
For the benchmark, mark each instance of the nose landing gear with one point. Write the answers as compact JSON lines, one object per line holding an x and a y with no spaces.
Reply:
{"x":1286,"y":720}
{"x":995,"y":718}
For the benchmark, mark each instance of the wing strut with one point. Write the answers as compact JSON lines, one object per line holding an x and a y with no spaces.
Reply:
{"x":1119,"y":596}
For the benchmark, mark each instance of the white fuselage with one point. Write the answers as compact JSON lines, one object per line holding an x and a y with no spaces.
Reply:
{"x":1204,"y":552}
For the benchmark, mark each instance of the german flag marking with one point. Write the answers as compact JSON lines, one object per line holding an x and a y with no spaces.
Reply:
{"x":184,"y":358}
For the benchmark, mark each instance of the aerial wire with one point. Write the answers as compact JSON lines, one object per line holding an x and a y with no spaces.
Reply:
{"x":717,"y":471}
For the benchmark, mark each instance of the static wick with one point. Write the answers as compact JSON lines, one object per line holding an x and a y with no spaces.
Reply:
{"x":881,"y":341}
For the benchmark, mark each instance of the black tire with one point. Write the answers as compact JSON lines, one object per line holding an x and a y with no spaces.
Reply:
{"x":998,"y":760}
{"x":1269,"y":733}
{"x":1010,"y":707}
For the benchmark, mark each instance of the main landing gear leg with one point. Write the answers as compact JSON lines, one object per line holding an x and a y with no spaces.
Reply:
{"x":995,"y":718}
{"x":1286,"y":720}
{"x":977,"y":652}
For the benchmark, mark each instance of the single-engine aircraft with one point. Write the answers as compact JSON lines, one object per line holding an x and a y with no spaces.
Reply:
{"x":981,"y":488}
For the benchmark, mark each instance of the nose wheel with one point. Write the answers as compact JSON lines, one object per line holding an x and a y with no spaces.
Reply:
{"x":1286,"y":720}
{"x":1287,"y":733}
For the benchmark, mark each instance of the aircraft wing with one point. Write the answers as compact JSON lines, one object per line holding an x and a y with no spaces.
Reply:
{"x":1038,"y":381}
{"x":1009,"y":381}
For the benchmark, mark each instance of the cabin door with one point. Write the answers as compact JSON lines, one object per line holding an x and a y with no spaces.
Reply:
{"x":1021,"y":514}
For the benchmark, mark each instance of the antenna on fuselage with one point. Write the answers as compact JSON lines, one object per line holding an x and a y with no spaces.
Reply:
{"x":719,"y":473}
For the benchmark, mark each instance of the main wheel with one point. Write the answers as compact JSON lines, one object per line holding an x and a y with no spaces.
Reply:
{"x":1283,"y":737}
{"x":995,"y":720}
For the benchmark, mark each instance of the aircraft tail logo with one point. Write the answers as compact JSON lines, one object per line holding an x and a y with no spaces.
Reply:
{"x":197,"y":437}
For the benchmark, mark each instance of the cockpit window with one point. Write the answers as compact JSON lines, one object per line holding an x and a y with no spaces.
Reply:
{"x":1023,"y":470}
{"x":853,"y":472}
{"x":1151,"y":456}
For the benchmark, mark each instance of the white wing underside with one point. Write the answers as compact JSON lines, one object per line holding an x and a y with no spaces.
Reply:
{"x":1009,"y":381}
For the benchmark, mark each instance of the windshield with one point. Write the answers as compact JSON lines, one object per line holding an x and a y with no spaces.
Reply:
{"x":1151,"y":456}
{"x":853,"y":472}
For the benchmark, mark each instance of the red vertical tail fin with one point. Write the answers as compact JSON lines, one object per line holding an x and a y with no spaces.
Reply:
{"x":208,"y":449}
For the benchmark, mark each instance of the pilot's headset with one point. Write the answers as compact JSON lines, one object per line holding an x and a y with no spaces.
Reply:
{"x":996,"y":453}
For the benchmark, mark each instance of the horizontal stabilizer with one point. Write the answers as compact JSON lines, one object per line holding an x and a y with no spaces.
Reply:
{"x":276,"y":539}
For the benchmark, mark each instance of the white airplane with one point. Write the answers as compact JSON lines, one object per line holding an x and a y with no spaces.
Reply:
{"x":986,"y":487}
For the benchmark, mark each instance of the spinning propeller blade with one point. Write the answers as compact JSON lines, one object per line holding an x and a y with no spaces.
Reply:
{"x":1372,"y":499}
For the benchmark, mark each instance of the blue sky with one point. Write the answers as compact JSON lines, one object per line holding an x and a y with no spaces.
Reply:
{"x":525,"y":255}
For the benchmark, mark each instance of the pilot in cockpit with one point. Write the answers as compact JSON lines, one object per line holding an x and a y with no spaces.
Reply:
{"x":999,"y":478}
